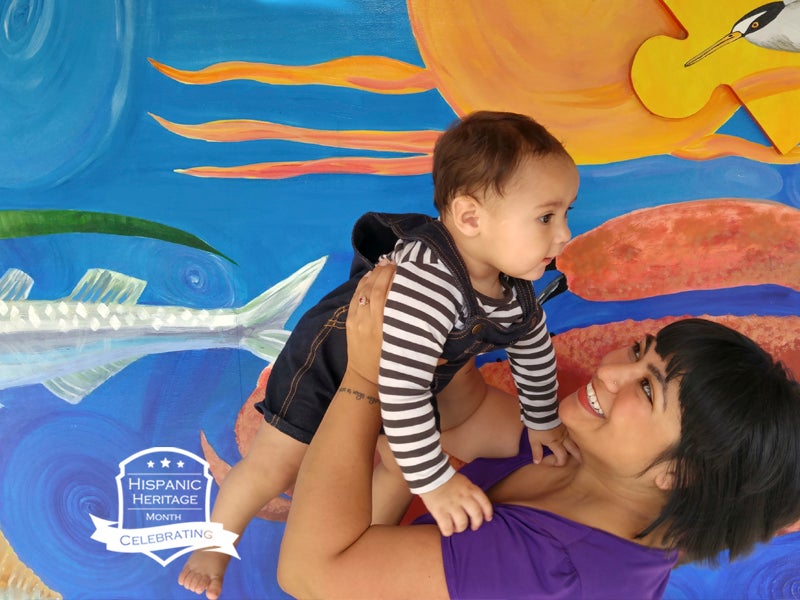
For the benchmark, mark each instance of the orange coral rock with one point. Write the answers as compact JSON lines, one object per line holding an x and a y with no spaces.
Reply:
{"x":700,"y":245}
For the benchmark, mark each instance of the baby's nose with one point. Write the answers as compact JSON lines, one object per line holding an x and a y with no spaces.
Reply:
{"x":565,"y":234}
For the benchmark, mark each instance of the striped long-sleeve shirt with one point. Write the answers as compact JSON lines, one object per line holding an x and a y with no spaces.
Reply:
{"x":422,"y":308}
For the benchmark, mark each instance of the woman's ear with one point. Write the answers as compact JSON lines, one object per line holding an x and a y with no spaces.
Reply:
{"x":465,"y":212}
{"x":665,"y":478}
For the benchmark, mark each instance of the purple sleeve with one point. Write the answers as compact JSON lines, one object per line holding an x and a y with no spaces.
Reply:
{"x":508,"y":558}
{"x":527,"y":553}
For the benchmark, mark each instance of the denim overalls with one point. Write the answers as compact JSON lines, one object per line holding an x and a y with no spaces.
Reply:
{"x":307,"y":372}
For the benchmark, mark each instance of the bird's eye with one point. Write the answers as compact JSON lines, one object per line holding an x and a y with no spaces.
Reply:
{"x":754,"y":25}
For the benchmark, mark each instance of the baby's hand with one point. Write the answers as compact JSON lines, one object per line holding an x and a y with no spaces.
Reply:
{"x":557,"y":440}
{"x":457,"y":504}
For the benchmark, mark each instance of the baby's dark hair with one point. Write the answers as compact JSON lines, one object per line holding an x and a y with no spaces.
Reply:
{"x":737,"y":463}
{"x":483,"y":150}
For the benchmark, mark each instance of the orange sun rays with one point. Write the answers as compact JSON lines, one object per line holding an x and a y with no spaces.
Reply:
{"x":367,"y":73}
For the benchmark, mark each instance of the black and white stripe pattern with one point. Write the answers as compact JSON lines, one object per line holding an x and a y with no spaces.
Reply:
{"x":422,"y":308}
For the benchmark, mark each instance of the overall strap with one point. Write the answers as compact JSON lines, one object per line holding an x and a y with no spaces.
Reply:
{"x":376,"y":234}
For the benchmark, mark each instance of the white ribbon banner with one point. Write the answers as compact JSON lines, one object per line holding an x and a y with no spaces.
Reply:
{"x":197,"y":535}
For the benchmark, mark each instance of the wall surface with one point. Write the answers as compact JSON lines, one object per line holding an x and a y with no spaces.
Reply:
{"x":163,"y":163}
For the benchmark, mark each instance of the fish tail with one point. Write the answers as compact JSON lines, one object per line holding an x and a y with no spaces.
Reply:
{"x":266,"y":344}
{"x":263,"y":319}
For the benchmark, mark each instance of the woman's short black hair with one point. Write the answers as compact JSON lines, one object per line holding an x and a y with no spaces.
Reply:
{"x":737,"y":463}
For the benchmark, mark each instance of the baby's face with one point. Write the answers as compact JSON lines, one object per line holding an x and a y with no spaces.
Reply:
{"x":527,"y":225}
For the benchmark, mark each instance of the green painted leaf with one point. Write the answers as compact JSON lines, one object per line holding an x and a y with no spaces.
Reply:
{"x":23,"y":223}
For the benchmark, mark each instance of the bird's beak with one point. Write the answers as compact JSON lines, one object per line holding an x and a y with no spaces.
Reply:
{"x":731,"y":37}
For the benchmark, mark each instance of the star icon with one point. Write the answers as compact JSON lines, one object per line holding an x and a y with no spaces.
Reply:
{"x":165,"y":462}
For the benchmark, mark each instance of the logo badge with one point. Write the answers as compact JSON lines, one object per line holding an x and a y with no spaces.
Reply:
{"x":164,"y":505}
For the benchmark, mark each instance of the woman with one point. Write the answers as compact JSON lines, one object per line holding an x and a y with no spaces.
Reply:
{"x":689,"y":441}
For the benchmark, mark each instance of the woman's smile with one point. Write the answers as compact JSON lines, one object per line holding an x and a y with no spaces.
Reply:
{"x":588,"y":399}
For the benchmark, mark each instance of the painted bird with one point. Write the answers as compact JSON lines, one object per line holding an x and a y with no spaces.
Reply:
{"x":775,"y":25}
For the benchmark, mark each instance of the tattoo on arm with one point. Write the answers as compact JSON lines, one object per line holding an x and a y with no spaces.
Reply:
{"x":358,"y":395}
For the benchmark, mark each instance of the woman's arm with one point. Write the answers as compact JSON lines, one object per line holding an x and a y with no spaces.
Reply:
{"x":329,"y":548}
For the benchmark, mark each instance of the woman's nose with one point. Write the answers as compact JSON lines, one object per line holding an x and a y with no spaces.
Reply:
{"x":614,"y":375}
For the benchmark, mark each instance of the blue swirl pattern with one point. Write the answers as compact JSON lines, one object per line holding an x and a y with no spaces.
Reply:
{"x":63,"y":91}
{"x":769,"y":572}
{"x":66,"y":488}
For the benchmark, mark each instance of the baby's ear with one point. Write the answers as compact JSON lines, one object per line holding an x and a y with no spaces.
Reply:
{"x":465,"y":214}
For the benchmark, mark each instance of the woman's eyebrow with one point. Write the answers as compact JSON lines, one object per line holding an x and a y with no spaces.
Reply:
{"x":648,"y":341}
{"x":657,"y":374}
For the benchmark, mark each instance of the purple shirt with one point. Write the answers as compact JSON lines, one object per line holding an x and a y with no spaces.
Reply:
{"x":524,"y":552}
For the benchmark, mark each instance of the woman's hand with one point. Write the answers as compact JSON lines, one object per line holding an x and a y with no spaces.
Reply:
{"x":365,"y":322}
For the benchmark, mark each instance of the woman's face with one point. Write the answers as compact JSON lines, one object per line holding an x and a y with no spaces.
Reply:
{"x":627,"y":415}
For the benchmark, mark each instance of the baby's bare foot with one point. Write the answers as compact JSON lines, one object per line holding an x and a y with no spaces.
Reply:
{"x":203,"y":572}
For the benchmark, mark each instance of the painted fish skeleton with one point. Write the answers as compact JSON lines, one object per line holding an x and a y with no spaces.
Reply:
{"x":75,"y":344}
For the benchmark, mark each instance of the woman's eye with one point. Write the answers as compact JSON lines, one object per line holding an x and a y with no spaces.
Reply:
{"x":648,"y":391}
{"x":636,"y":349}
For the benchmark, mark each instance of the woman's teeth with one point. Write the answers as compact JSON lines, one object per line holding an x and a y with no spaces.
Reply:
{"x":593,"y":399}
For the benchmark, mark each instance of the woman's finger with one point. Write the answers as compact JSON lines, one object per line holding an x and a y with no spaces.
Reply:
{"x":361,"y":293}
{"x":364,"y":325}
{"x":373,"y":287}
{"x":379,"y":284}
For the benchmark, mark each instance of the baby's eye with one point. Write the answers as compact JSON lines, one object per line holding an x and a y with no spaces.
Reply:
{"x":546,"y":219}
{"x":648,"y":391}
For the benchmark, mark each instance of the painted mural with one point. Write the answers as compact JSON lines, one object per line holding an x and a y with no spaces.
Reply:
{"x":178,"y":181}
